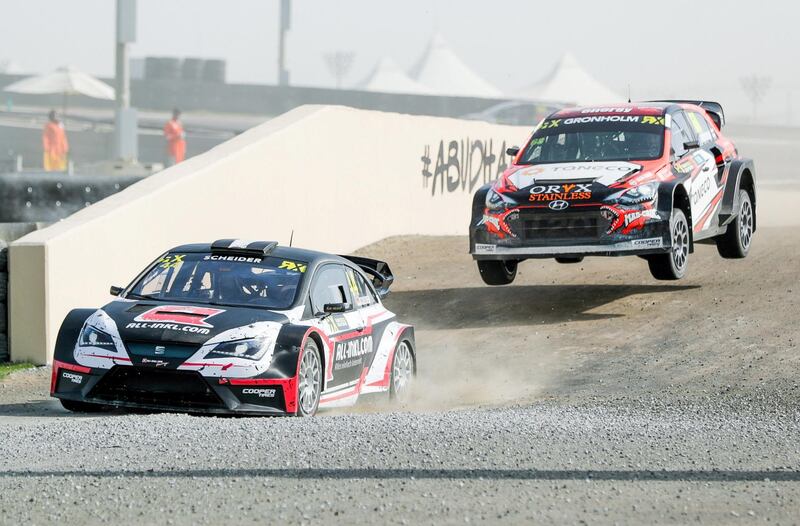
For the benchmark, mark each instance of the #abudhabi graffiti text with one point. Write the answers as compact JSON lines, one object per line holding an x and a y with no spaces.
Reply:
{"x":461,"y":166}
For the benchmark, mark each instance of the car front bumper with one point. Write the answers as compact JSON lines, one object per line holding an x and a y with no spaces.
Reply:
{"x":599,"y":230}
{"x":151,"y":388}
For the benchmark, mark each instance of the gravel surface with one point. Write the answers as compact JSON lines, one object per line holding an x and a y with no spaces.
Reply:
{"x":653,"y":462}
{"x":583,"y":393}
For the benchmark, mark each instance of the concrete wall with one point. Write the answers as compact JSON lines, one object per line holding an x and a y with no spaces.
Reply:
{"x":339,"y":177}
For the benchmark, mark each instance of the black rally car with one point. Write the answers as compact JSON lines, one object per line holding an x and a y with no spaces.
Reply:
{"x":238,"y":327}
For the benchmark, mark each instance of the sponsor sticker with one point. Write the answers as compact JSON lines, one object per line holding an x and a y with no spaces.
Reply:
{"x":171,"y":261}
{"x":72,"y":377}
{"x":652,"y":242}
{"x":486,"y":249}
{"x":182,"y":314}
{"x":154,"y":363}
{"x":555,"y":192}
{"x":639,"y":214}
{"x":293,"y":266}
{"x":606,"y":110}
{"x":259,"y":392}
{"x":235,"y":259}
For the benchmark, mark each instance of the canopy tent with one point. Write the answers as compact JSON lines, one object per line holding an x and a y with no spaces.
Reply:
{"x":66,"y":81}
{"x":440,"y":69}
{"x":569,"y":83}
{"x":388,"y":77}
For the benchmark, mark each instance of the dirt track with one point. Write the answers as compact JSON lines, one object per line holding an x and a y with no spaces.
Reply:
{"x":589,"y":392}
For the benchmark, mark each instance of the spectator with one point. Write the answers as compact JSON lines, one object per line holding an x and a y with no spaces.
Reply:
{"x":176,"y":139}
{"x":56,"y":147}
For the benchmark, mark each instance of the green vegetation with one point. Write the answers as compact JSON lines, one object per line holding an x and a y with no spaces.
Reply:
{"x":8,"y":368}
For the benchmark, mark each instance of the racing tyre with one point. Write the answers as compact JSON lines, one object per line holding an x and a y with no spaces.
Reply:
{"x":567,"y":260}
{"x":309,"y":380}
{"x":498,"y":272}
{"x":672,"y":265}
{"x":735,"y":242}
{"x":402,"y":372}
{"x":83,"y":407}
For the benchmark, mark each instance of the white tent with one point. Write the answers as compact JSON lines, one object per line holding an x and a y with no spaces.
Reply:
{"x":389,"y":77}
{"x":65,"y":81}
{"x":442,"y":70}
{"x":568,"y":82}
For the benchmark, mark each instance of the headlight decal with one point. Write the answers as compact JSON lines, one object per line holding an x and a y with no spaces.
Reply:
{"x":251,"y":349}
{"x":639,"y":194}
{"x":255,"y":342}
{"x":91,"y":336}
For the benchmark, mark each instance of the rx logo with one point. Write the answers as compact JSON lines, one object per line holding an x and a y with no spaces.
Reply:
{"x":558,"y":205}
{"x":291,"y":265}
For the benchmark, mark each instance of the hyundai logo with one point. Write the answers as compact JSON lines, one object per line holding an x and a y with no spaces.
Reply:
{"x":558,"y":205}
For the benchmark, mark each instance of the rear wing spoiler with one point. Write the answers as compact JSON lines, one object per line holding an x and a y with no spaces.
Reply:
{"x":379,"y":271}
{"x":714,"y":109}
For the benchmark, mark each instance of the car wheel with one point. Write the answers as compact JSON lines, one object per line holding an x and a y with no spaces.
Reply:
{"x":735,"y":242}
{"x":672,"y":265}
{"x":498,"y":272}
{"x":567,"y":260}
{"x":309,"y":380}
{"x":83,"y":407}
{"x":402,"y":372}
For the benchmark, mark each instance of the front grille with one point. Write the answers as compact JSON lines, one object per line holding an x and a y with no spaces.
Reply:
{"x":154,"y":387}
{"x":568,"y":226}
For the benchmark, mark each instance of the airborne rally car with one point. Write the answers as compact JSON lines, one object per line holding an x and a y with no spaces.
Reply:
{"x":648,"y":179}
{"x":238,"y":327}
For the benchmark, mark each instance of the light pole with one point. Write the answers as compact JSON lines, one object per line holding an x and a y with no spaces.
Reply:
{"x":126,"y":126}
{"x":285,"y":18}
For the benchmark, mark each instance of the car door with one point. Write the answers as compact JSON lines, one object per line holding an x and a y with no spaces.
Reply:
{"x":698,"y":163}
{"x":706,"y":191}
{"x":345,"y":329}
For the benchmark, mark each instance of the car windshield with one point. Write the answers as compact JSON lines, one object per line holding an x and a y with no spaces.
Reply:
{"x":579,"y":139}
{"x":235,"y":280}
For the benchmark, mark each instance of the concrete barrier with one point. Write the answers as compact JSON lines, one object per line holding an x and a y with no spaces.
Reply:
{"x":337,"y":177}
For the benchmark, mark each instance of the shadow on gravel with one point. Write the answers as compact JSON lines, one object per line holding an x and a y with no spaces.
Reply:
{"x":444,"y":474}
{"x":40,"y":409}
{"x":479,"y":307}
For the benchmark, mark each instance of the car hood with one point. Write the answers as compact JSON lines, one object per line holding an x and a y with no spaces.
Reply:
{"x":195,"y":324}
{"x":605,"y":172}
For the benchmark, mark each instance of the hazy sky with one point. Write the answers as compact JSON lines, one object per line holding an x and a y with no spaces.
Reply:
{"x":675,"y":48}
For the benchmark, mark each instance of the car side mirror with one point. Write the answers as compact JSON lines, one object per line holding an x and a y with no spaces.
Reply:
{"x":691,"y":145}
{"x":332,"y":308}
{"x":512,"y":151}
{"x":116,"y":291}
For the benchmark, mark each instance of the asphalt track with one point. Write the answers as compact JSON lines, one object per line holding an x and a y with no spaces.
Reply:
{"x":582,"y":392}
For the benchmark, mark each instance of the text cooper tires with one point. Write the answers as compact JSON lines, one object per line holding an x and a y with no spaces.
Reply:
{"x":735,"y":242}
{"x":498,"y":272}
{"x":672,"y":265}
{"x":309,"y":380}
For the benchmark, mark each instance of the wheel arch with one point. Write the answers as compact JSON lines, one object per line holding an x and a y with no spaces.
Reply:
{"x":317,"y":339}
{"x":681,"y":200}
{"x":741,"y":175}
{"x":748,"y":184}
{"x":407,"y":335}
{"x":68,"y":334}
